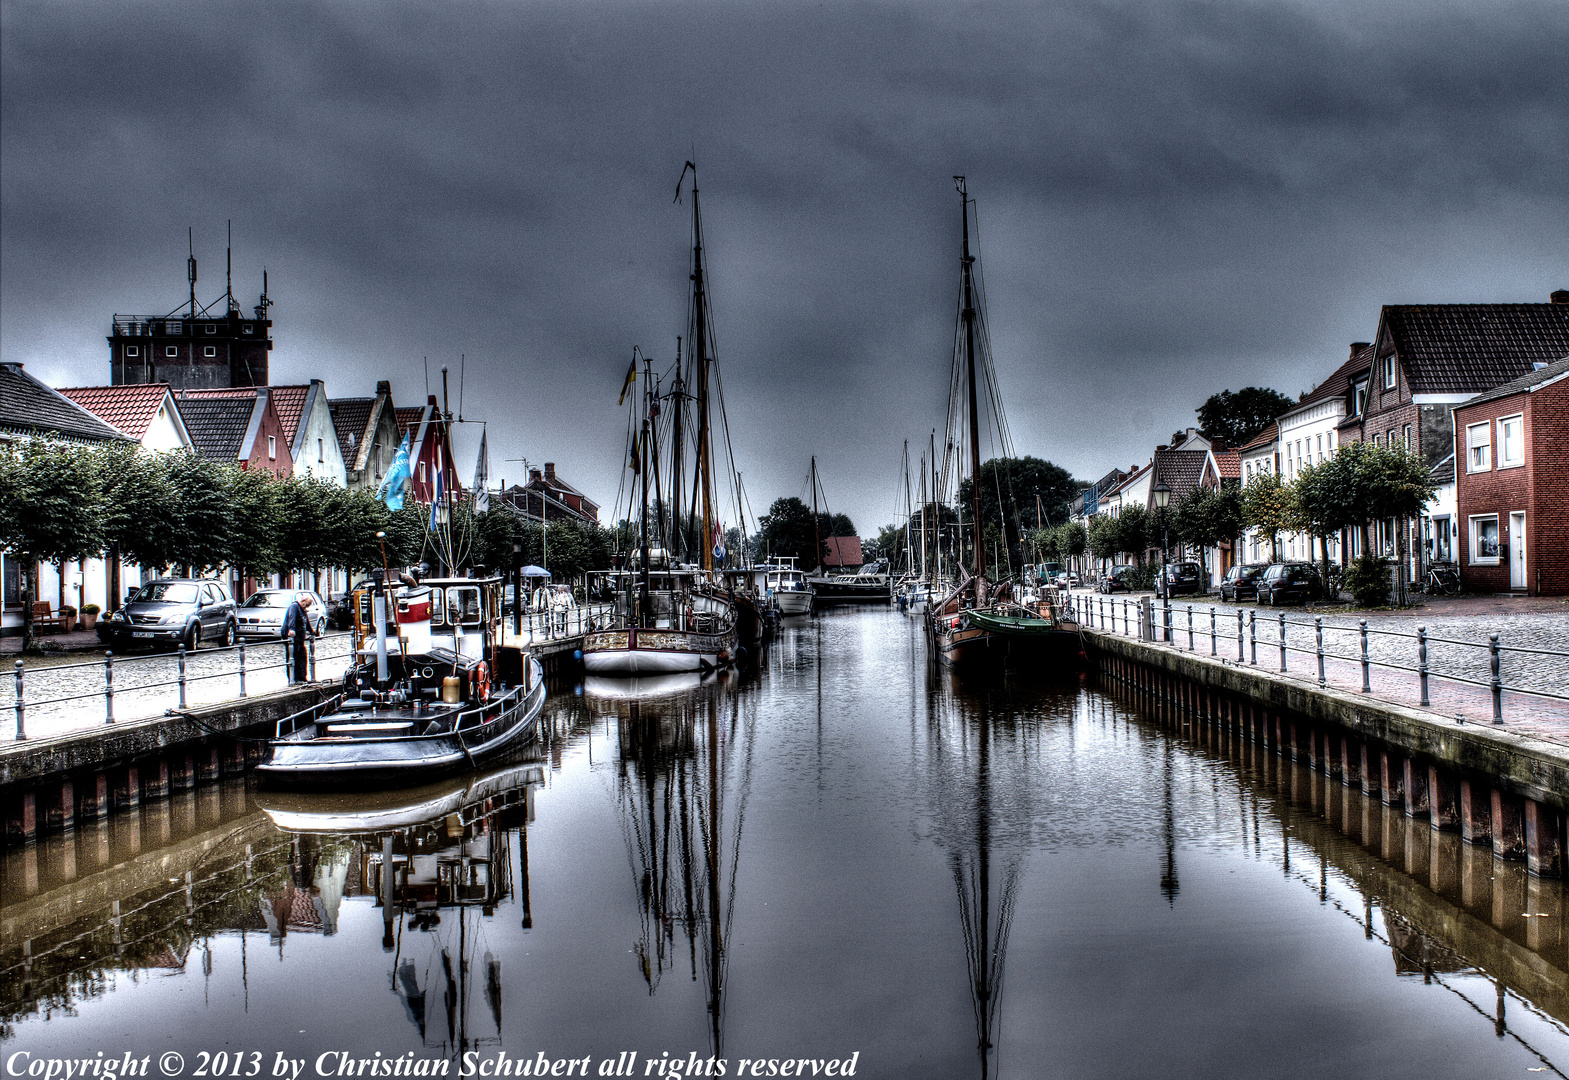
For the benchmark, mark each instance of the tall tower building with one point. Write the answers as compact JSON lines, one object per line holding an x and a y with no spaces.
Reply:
{"x":194,"y":347}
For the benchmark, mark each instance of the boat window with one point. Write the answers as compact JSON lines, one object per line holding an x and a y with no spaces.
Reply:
{"x":438,"y":607}
{"x":463,"y":605}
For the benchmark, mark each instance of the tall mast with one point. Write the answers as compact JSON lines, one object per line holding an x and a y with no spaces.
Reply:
{"x":700,"y":359}
{"x":642,"y":461}
{"x":677,"y":459}
{"x":968,"y":314}
{"x":817,"y":540}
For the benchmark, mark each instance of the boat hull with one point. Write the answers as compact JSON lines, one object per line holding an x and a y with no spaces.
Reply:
{"x":793,"y":603}
{"x":850,"y":591}
{"x":642,"y":651}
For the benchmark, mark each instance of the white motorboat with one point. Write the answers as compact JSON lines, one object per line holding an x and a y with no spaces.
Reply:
{"x":787,"y":588}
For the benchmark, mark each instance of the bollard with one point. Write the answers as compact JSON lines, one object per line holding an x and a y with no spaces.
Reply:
{"x":182,"y":674}
{"x":1190,"y":627}
{"x":108,"y":686}
{"x":288,"y":656}
{"x":21,"y":706}
{"x":312,"y":647}
{"x":1214,"y":646}
{"x":1498,"y":686}
{"x":1253,"y":636}
{"x":242,"y":667}
{"x":1318,"y":634}
{"x":1239,"y":635}
{"x":1282,"y":642}
{"x":1166,"y":607}
{"x":1421,"y":661}
{"x":1367,"y":686}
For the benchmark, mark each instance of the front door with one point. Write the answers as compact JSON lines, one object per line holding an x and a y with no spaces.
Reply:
{"x":1517,"y":551}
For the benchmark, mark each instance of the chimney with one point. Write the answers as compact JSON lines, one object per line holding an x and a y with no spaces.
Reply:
{"x":534,"y":476}
{"x":550,"y":471}
{"x":1356,"y":347}
{"x":384,"y":387}
{"x":1559,"y":296}
{"x":1161,"y":447}
{"x":1218,"y":443}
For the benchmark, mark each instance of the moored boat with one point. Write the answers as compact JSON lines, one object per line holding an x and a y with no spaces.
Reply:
{"x":786,"y":586}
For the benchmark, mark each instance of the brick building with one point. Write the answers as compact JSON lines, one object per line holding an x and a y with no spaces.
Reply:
{"x":196,"y":348}
{"x":234,"y":425}
{"x":1512,"y":485}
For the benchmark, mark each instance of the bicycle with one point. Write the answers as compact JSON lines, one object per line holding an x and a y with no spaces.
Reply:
{"x":1442,"y":579}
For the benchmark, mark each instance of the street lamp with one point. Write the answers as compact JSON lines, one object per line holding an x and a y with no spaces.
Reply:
{"x":1162,"y":495}
{"x":517,"y":588}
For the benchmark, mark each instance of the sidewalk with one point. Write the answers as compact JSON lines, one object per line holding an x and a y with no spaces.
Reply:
{"x":75,"y":641}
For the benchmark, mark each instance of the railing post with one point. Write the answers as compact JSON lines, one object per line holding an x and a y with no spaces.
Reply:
{"x":21,"y":706}
{"x":1214,"y":640}
{"x":1190,"y":628}
{"x":311,"y":644}
{"x":1367,"y":685}
{"x":1318,"y":633}
{"x":1421,"y":661}
{"x":1239,"y":635}
{"x":1282,"y":616}
{"x":108,"y":686}
{"x":242,"y":667}
{"x":1165,"y":604}
{"x":182,"y":674}
{"x":1498,"y":686}
{"x":1253,"y":636}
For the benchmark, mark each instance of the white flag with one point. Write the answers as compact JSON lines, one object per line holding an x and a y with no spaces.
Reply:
{"x":482,"y":477}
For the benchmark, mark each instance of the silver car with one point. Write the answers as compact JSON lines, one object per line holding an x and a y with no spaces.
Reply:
{"x":261,"y":616}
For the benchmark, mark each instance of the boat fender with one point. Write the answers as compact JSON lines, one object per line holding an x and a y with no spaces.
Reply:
{"x":577,"y":654}
{"x":724,"y":656}
{"x":482,"y":681}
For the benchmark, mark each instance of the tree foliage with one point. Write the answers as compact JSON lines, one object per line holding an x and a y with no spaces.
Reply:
{"x":1018,"y":481}
{"x":1238,"y":417}
{"x":786,"y":531}
{"x":1268,"y":506}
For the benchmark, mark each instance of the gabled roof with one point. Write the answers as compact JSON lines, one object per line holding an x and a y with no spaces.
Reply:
{"x":1270,"y":434}
{"x":1127,"y":479}
{"x":217,"y":423}
{"x":1444,"y":471}
{"x":1229,"y":464}
{"x":1470,"y":348}
{"x":29,"y":407}
{"x":128,"y":408}
{"x":290,"y":402}
{"x":1339,"y":382}
{"x":1180,"y":470}
{"x":1525,"y":383}
{"x":351,"y":416}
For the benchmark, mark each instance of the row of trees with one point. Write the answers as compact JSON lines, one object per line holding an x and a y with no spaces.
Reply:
{"x":62,"y":502}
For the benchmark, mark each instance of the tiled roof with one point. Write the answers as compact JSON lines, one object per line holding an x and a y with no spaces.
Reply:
{"x":350,"y":416}
{"x":1270,"y":433}
{"x":128,"y":408}
{"x":843,"y":551}
{"x":1470,"y":348}
{"x":217,"y":422}
{"x":1229,"y":462}
{"x":290,"y":403}
{"x":27,"y":405}
{"x":1339,"y":382}
{"x":1525,"y":382}
{"x":1444,"y":471}
{"x":1180,"y":470}
{"x":1127,"y":478}
{"x":408,"y":420}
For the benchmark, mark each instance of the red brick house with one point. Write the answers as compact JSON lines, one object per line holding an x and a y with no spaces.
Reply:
{"x":1512,"y":485}
{"x":430,"y":451}
{"x":237,"y":425}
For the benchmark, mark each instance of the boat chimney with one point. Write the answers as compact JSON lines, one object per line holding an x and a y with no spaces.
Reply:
{"x":379,"y":610}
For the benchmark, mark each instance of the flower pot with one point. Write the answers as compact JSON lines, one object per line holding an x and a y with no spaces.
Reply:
{"x":89,"y":620}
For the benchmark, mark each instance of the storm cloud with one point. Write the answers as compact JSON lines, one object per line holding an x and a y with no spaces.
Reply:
{"x":1174,"y":198}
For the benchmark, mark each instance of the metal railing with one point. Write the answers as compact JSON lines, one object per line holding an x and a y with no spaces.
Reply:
{"x":553,"y":625}
{"x":1165,"y":625}
{"x":108,"y":677}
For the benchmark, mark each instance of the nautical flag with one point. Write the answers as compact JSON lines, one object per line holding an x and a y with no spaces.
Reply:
{"x":482,"y":477}
{"x":631,"y":378}
{"x":637,"y":457}
{"x":438,"y":506}
{"x":719,"y":543}
{"x":391,"y":490}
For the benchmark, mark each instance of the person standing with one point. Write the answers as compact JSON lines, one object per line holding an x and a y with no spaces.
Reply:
{"x":297,"y":621}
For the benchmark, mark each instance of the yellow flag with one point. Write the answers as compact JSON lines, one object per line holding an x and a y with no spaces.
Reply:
{"x":627,"y":386}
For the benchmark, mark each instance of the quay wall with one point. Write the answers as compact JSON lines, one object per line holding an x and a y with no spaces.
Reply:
{"x":1493,"y":786}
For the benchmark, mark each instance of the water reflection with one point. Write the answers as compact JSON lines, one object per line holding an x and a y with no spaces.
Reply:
{"x":682,"y":781}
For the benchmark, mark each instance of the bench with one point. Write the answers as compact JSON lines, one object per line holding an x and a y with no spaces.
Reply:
{"x":45,"y":619}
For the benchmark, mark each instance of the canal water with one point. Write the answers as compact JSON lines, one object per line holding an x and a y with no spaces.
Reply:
{"x":848,"y":854}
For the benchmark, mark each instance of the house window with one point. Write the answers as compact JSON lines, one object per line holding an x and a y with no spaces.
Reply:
{"x":1511,"y":441}
{"x":171,"y":327}
{"x":321,"y":450}
{"x":272,"y":447}
{"x":212,"y":328}
{"x":1479,"y":447}
{"x":1484,"y":539}
{"x":1405,"y":436}
{"x":210,"y":350}
{"x":133,"y":350}
{"x":422,"y":472}
{"x":1389,"y":372}
{"x":1438,"y":548}
{"x":1391,"y":438}
{"x":1361,"y":398}
{"x":171,"y":350}
{"x":1321,"y":448}
{"x":1375,"y":438}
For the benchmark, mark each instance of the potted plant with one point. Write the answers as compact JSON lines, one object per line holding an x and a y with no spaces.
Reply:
{"x":90,"y":615}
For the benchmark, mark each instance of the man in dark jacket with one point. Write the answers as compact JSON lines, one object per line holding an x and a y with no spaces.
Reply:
{"x":297,"y":621}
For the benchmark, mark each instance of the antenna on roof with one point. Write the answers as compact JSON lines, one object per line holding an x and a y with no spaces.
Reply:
{"x":462,"y":367}
{"x":190,"y":265}
{"x":261,"y":308}
{"x":426,"y":361}
{"x":228,"y":268}
{"x":446,"y":413}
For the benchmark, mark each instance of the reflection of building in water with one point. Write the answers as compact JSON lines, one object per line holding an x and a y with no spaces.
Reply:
{"x":682,"y":784}
{"x":308,"y":900}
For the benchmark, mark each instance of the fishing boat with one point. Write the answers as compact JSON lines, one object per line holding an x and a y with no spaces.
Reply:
{"x":432,"y":690}
{"x":786,"y":586}
{"x":672,"y":616}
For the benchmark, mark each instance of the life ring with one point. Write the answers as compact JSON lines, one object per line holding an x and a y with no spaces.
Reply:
{"x":482,"y":681}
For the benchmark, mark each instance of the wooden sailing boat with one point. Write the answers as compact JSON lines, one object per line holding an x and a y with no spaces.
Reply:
{"x":673,"y":617}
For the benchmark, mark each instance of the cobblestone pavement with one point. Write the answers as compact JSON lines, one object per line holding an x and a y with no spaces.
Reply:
{"x":1458,"y":631}
{"x":146,"y":684}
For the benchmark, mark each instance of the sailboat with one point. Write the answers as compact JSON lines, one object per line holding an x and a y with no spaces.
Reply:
{"x":672,"y":616}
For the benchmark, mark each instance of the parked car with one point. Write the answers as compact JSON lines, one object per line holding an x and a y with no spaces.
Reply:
{"x":1289,"y":583}
{"x":1118,"y":577}
{"x":1242,"y":581}
{"x":1177,"y":578}
{"x":170,"y":611}
{"x":261,"y":616}
{"x":1073,"y":577}
{"x":1061,"y":580}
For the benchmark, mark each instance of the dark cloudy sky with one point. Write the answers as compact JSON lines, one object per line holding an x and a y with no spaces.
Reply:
{"x":1174,"y":197}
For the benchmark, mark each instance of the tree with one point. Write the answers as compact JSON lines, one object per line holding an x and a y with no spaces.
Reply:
{"x":1321,"y":502}
{"x":260,"y":503}
{"x":50,"y":511}
{"x":1019,"y":481}
{"x":1387,"y":482}
{"x":1208,"y":516}
{"x":201,"y":512}
{"x":787,"y":530}
{"x":1104,"y":537}
{"x":1238,"y":417}
{"x":1267,"y":507}
{"x":1072,"y":539}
